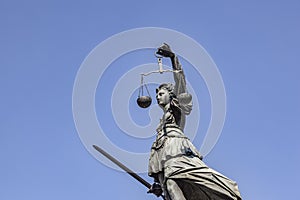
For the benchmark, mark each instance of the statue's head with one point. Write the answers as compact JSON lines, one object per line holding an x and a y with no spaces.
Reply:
{"x":164,"y":94}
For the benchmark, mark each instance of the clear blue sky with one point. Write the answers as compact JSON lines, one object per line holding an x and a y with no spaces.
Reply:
{"x":255,"y":45}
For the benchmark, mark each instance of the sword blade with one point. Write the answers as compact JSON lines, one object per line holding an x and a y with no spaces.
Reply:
{"x":126,"y":169}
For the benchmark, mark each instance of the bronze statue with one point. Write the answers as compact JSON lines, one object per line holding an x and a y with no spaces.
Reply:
{"x":175,"y":164}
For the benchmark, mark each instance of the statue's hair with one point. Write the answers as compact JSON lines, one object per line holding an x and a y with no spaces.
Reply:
{"x":169,"y":87}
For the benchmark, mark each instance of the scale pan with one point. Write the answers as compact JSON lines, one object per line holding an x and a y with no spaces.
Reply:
{"x":144,"y":101}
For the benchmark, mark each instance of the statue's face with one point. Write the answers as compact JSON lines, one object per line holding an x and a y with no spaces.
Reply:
{"x":163,"y":97}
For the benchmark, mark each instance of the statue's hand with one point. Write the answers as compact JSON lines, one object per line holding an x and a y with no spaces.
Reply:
{"x":155,"y":189}
{"x":165,"y":51}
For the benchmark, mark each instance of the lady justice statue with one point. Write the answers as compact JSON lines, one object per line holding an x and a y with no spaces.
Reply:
{"x":175,"y":164}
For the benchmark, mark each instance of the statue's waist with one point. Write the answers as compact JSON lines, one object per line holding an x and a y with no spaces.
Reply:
{"x":167,"y":132}
{"x":168,"y":128}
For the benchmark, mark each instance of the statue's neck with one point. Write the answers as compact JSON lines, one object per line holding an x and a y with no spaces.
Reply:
{"x":166,"y":108}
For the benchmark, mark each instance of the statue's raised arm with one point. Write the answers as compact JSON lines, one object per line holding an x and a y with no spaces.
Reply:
{"x":181,"y":104}
{"x":179,"y":77}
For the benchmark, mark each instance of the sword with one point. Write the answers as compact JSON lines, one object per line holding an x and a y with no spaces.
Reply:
{"x":126,"y":169}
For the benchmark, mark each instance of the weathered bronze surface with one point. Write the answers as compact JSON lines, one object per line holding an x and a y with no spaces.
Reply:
{"x":175,"y":163}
